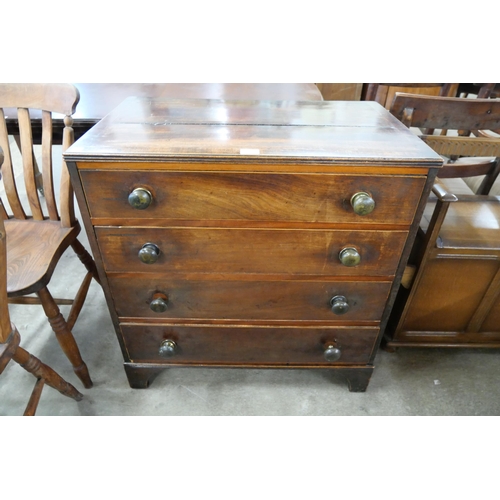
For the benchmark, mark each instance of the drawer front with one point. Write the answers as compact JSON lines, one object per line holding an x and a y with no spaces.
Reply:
{"x":251,"y":251}
{"x":223,"y":196}
{"x":251,"y":300}
{"x":231,"y":345}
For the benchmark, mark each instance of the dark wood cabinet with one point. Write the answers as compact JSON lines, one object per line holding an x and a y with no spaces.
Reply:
{"x":250,"y":234}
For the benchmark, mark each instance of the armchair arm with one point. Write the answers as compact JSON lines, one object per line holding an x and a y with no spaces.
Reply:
{"x":446,"y":197}
{"x":442,"y":194}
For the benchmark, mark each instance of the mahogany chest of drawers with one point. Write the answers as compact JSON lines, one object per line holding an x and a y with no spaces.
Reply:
{"x":250,"y":234}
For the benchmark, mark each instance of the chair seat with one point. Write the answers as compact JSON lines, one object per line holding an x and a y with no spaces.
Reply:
{"x":33,"y":249}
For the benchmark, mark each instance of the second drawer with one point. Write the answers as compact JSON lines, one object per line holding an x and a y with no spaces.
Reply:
{"x":251,"y":251}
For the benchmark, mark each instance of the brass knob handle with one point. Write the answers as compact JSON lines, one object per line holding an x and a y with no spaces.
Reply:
{"x":167,"y":349}
{"x":339,"y":304}
{"x":159,"y":304}
{"x":349,"y":257}
{"x":362,"y":203}
{"x":332,"y":352}
{"x":149,"y":253}
{"x":140,"y":198}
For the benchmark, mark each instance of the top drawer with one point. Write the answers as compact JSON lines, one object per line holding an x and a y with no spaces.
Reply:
{"x":228,"y":196}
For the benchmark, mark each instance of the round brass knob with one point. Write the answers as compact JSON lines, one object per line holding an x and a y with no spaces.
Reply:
{"x":149,"y":253}
{"x":332,"y":352}
{"x":339,"y":304}
{"x":168,"y":348}
{"x":140,"y":198}
{"x":349,"y":257}
{"x":362,"y":203}
{"x":159,"y":304}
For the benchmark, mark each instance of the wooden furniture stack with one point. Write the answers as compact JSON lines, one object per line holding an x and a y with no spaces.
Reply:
{"x":267,"y":234}
{"x":453,"y":299}
{"x":384,"y":93}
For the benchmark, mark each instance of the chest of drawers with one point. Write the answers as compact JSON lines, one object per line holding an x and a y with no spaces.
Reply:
{"x":250,"y":234}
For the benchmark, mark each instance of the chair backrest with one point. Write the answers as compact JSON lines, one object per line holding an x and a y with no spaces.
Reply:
{"x":451,"y":113}
{"x":443,"y":89}
{"x":49,"y":98}
{"x":461,"y":115}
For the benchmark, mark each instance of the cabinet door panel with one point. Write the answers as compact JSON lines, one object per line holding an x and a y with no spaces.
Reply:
{"x":251,"y":251}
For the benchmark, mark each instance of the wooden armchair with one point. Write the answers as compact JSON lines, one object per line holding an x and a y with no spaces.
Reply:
{"x":453,"y":299}
{"x":464,"y":156}
{"x":40,"y":228}
{"x":383,"y":93}
{"x":10,"y":339}
{"x":442,"y":89}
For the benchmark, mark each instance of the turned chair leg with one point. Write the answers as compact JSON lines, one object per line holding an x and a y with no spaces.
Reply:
{"x":64,"y":337}
{"x":45,"y":375}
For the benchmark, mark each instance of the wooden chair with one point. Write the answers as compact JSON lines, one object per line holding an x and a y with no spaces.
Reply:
{"x":384,"y":93}
{"x":40,"y":229}
{"x":442,"y":89}
{"x":453,"y":299}
{"x":464,"y":156}
{"x":10,"y":339}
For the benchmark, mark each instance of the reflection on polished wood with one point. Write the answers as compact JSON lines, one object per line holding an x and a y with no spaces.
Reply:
{"x":99,"y":99}
{"x":314,"y":131}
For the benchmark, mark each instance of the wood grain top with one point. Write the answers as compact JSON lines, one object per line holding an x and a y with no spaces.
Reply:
{"x":98,"y":99}
{"x":144,"y":129}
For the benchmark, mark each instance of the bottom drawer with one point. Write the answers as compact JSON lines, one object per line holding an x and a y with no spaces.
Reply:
{"x":218,"y":344}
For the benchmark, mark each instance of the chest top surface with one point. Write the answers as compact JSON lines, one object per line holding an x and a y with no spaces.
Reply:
{"x":208,"y":130}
